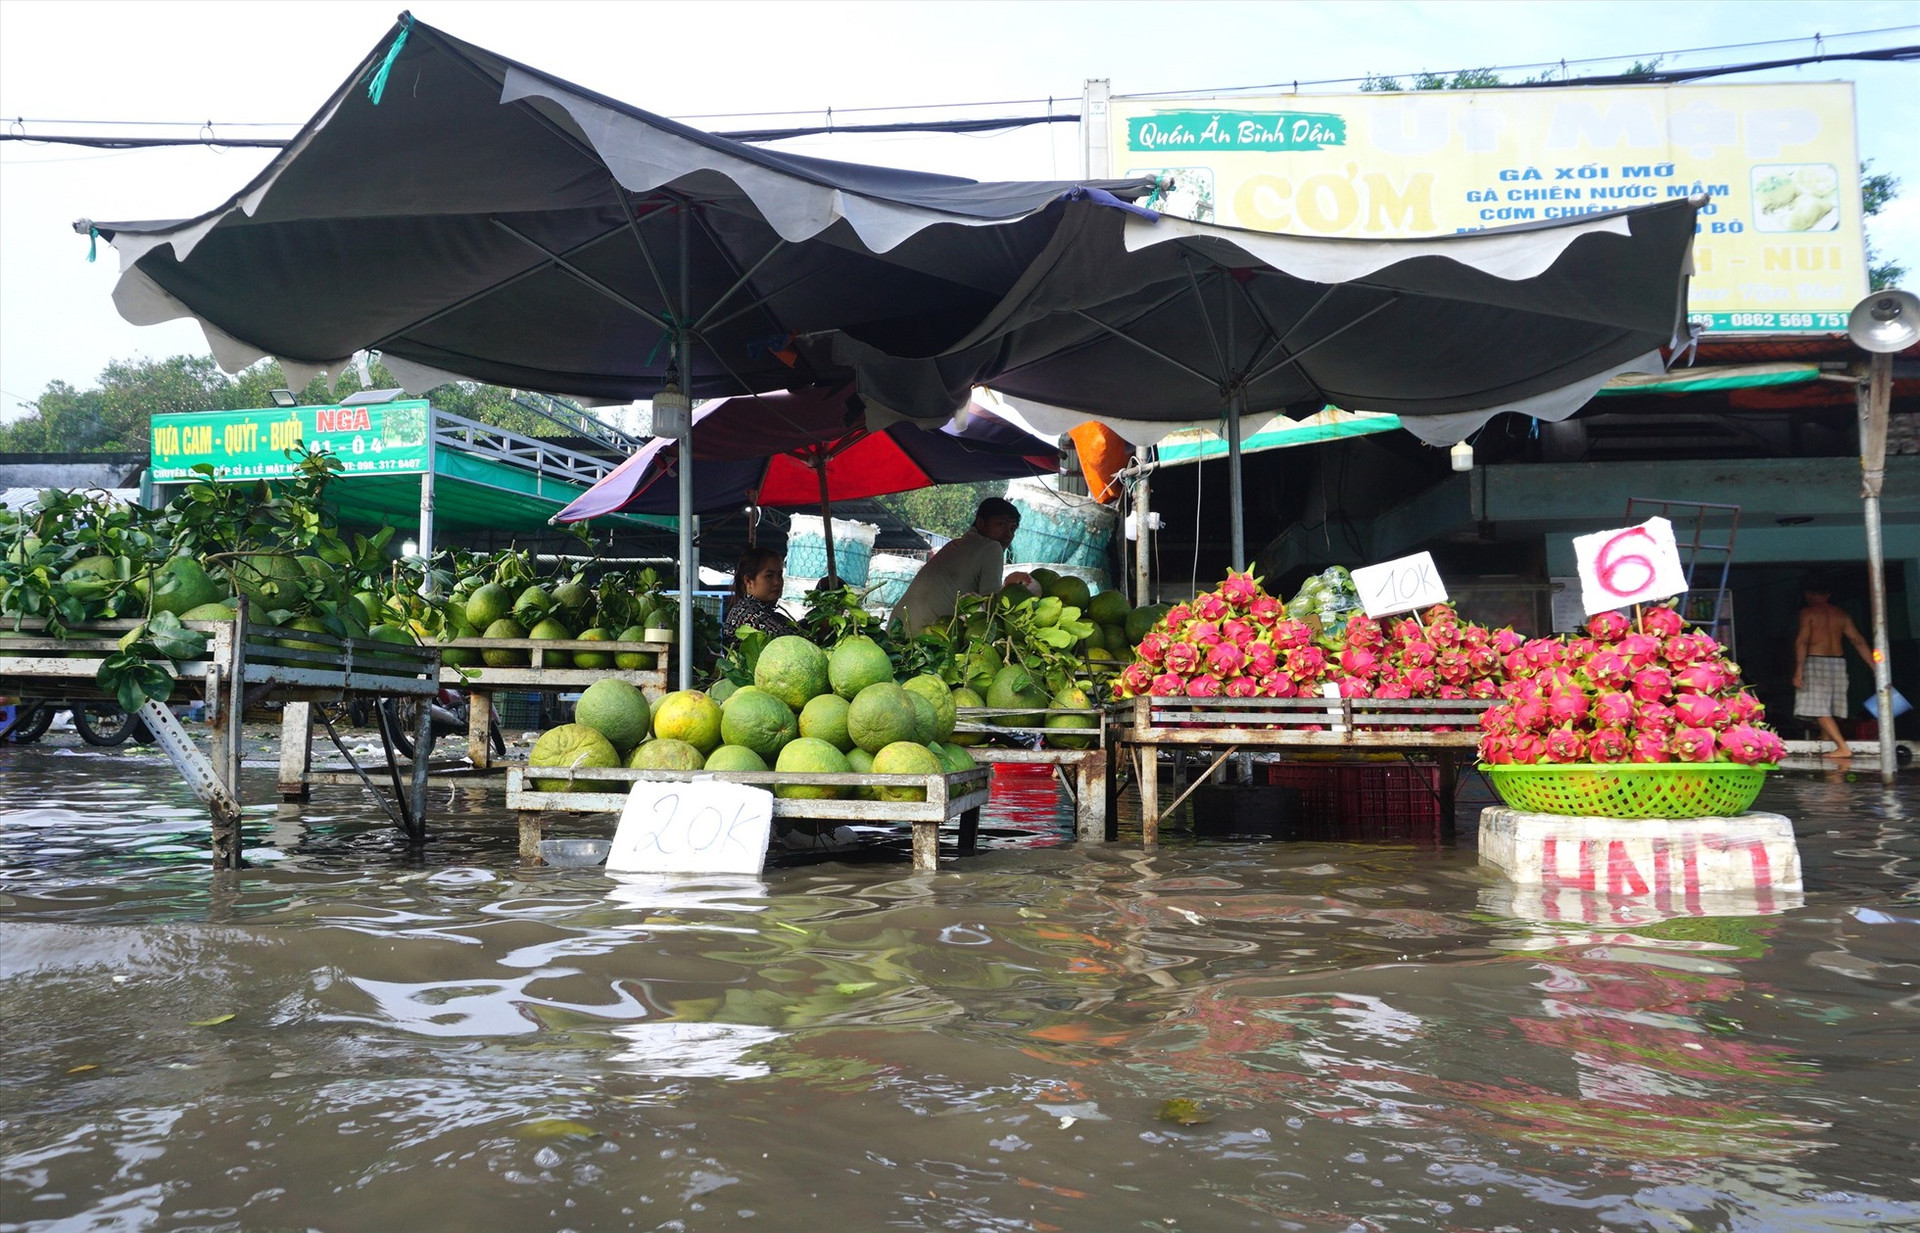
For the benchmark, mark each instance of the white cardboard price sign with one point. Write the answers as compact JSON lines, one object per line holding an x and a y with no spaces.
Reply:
{"x":1399,"y":586}
{"x":701,"y":827}
{"x":1629,"y":566}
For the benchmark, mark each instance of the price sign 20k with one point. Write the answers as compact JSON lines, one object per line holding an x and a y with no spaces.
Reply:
{"x":1629,"y":566}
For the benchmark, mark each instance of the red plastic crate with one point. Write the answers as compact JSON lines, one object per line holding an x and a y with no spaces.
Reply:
{"x":1364,"y":802}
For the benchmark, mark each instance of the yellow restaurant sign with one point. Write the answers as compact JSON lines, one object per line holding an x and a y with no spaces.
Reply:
{"x":1780,"y":246}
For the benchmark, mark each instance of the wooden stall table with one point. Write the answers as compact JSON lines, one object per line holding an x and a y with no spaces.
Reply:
{"x":1082,"y":773}
{"x":1143,"y":728}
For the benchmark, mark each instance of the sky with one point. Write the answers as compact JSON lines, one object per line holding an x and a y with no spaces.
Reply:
{"x":725,"y":65}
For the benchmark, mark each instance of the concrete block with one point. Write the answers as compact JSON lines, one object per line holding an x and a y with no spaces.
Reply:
{"x":1622,"y":871}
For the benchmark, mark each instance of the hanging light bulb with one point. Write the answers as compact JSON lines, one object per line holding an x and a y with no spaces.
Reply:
{"x":672,"y":409}
{"x":1462,"y":456}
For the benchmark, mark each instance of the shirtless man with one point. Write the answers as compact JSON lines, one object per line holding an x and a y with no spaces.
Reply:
{"x":1820,"y":666}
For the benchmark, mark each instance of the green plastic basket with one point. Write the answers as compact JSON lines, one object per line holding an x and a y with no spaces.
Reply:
{"x":1629,"y":789}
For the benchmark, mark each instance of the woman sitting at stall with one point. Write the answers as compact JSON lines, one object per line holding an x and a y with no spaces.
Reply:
{"x":757,"y":580}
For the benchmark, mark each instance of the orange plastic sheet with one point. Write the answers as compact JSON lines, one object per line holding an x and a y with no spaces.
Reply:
{"x":1103,"y":452}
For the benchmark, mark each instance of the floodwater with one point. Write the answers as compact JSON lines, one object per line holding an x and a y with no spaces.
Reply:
{"x":1217,"y":1035}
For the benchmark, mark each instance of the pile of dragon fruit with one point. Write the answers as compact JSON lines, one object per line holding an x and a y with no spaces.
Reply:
{"x":1238,"y":642}
{"x":1654,"y":691}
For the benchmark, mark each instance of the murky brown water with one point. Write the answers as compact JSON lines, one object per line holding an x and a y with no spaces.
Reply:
{"x":350,"y":1037}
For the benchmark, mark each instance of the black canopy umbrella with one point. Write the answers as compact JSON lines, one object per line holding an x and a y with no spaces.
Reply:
{"x":470,"y":217}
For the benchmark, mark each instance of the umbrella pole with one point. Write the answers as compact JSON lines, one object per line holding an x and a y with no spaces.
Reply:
{"x":826,"y":514}
{"x":689,"y":559}
{"x":1234,"y":493}
{"x":1874,"y":399}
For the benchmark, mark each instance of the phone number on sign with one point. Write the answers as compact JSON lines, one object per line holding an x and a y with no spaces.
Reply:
{"x":1772,"y":321}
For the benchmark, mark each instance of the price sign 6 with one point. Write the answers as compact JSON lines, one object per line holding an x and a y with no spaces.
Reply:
{"x":700,"y":827}
{"x":1399,"y":586}
{"x":1629,"y":566}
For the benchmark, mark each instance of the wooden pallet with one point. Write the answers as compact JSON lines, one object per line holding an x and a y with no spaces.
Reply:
{"x":951,"y":798}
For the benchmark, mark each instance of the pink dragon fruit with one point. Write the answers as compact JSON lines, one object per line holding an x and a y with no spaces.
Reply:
{"x":1444,"y":634}
{"x":1744,"y":708}
{"x":1567,"y":706}
{"x":1482,"y":660}
{"x":1566,"y":745}
{"x":1608,"y":745}
{"x":1453,"y":667}
{"x":1363,"y":630}
{"x":1239,"y":632}
{"x":1203,"y":687}
{"x":1701,"y":678}
{"x":1277,"y":685}
{"x":1306,"y":663}
{"x":1396,"y":689}
{"x":1262,"y":658}
{"x":1354,"y":687}
{"x":1639,"y":650}
{"x":1609,"y":626}
{"x":1418,"y":654}
{"x":1661,"y":621}
{"x":1137,"y":677}
{"x":1243,"y":687}
{"x":1653,"y":715}
{"x":1240,"y":590}
{"x":1496,"y":748}
{"x":1613,"y":710}
{"x":1542,"y":652}
{"x":1507,"y":641}
{"x":1360,"y":661}
{"x":1518,"y":666}
{"x":1608,"y":670}
{"x":1578,"y":650}
{"x":1697,"y":711}
{"x":1204,"y":634}
{"x":1652,"y":684}
{"x":1453,"y":693}
{"x":1650,"y":746}
{"x":1472,"y":636}
{"x":1182,"y":658}
{"x":1289,"y":633}
{"x":1496,"y":719}
{"x":1169,"y":685}
{"x":1179,"y":617}
{"x":1556,"y":678}
{"x":1528,"y":747}
{"x":1772,"y":747}
{"x":1692,"y":744}
{"x":1226,"y":660}
{"x":1153,"y":648}
{"x":1745,"y":744}
{"x":1531,"y":715}
{"x":1483,"y":688}
{"x":1210,"y":607}
{"x":1422,"y":681}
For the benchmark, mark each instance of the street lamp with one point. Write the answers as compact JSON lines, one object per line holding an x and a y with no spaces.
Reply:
{"x":1883,"y":323}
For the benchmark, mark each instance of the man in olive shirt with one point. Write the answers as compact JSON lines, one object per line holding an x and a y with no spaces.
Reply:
{"x":970,"y":565}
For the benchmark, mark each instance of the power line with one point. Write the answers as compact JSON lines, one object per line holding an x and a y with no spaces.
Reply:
{"x":16,"y":130}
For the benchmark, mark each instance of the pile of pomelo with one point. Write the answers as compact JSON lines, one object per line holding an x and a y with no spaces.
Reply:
{"x":541,"y":611}
{"x":808,"y":711}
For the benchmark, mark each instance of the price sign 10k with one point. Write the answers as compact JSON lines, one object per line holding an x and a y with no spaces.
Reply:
{"x":1630,"y":566}
{"x":1399,"y":586}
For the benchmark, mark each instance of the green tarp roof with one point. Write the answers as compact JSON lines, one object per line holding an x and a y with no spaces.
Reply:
{"x":1198,"y":444}
{"x":470,"y":492}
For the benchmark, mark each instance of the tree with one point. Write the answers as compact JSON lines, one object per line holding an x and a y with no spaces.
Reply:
{"x":945,"y":510}
{"x":1876,"y":194}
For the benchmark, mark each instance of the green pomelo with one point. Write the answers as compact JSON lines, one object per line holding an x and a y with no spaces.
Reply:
{"x":925,"y":718}
{"x":1114,"y":638}
{"x":906,"y":758}
{"x":881,"y":715}
{"x":370,"y":605}
{"x":456,"y":627}
{"x":688,"y":715}
{"x":860,"y":762}
{"x":855,"y":664}
{"x":504,"y":657}
{"x":667,"y":755}
{"x":267,"y":578}
{"x":574,"y":746}
{"x":735,"y":758}
{"x":755,"y":718}
{"x":954,"y":758}
{"x":1071,"y":697}
{"x":630,"y":660}
{"x":573,"y":594}
{"x":1072,"y":591}
{"x":807,"y":755}
{"x":965,"y":697}
{"x":1012,"y":593}
{"x":792,"y":670}
{"x":723,"y":689}
{"x":617,"y":711}
{"x":825,"y":719}
{"x":1044,"y":576}
{"x":316,"y":567}
{"x":215,"y":611}
{"x":1140,"y":621}
{"x":1014,"y":686}
{"x":532,"y":604}
{"x":551,"y":630}
{"x":312,"y":625}
{"x":935,"y":690}
{"x":488,"y":604}
{"x":400,"y":635}
{"x":594,"y":660}
{"x":1108,"y":608}
{"x":92,"y":567}
{"x":183,"y":584}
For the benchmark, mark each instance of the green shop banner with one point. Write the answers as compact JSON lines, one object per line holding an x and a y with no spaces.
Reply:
{"x":387,"y":439}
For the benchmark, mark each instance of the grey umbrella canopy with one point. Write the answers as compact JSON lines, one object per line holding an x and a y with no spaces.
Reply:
{"x":1134,"y":316}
